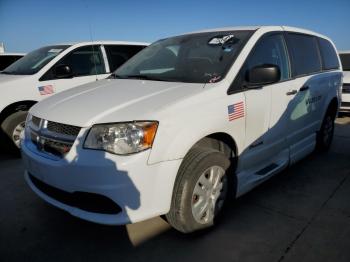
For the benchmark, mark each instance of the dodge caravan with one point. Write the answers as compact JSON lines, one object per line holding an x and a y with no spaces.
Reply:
{"x":185,"y":126}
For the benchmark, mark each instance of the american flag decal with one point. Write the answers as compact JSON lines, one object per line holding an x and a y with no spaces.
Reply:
{"x":235,"y":111}
{"x":46,"y":90}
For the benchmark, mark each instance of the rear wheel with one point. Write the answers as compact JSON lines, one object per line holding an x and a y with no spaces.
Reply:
{"x":14,"y":125}
{"x":200,"y":191}
{"x":326,"y":133}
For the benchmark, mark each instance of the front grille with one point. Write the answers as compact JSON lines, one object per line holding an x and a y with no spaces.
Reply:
{"x":51,"y":137}
{"x":346,"y":88}
{"x":345,"y":104}
{"x":63,"y":129}
{"x":85,"y":201}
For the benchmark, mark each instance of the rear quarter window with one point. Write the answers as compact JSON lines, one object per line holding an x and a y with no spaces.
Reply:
{"x":329,"y":55}
{"x":345,"y":60}
{"x":304,"y":54}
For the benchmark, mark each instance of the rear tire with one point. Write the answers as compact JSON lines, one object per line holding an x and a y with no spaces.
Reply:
{"x":14,"y":125}
{"x":201,"y":190}
{"x":325,"y":134}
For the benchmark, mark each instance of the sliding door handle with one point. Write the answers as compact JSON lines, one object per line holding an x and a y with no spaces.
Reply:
{"x":290,"y":93}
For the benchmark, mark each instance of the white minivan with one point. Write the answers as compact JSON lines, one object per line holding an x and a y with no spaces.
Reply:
{"x":185,"y":125}
{"x":345,"y":60}
{"x":52,"y":69}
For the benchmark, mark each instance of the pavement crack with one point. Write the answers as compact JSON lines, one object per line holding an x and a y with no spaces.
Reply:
{"x":279,"y":212}
{"x":312,"y":219}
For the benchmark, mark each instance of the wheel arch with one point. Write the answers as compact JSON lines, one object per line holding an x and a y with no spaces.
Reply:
{"x":15,"y":107}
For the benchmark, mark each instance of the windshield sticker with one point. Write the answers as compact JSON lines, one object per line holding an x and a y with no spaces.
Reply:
{"x":54,"y":50}
{"x":220,"y":40}
{"x":214,"y":79}
{"x":46,"y":90}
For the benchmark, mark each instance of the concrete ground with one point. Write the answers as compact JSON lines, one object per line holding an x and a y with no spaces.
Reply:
{"x":302,"y":214}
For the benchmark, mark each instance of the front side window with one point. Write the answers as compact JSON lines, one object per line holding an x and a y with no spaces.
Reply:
{"x":85,"y":61}
{"x":345,"y":61}
{"x":304,"y":54}
{"x":194,"y":58}
{"x":34,"y":61}
{"x":329,"y":56}
{"x":270,"y":50}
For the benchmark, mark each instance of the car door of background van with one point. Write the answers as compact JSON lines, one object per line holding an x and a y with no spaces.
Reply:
{"x":305,"y":94}
{"x":87,"y":65}
{"x":266,"y":106}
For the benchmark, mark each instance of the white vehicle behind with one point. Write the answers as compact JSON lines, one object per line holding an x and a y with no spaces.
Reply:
{"x":345,"y":60}
{"x":7,"y":59}
{"x":52,"y":69}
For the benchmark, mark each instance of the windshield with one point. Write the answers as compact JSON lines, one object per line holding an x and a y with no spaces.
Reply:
{"x":34,"y":61}
{"x":345,"y":60}
{"x":195,"y":58}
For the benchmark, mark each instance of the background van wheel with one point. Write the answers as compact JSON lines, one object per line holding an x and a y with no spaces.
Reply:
{"x":326,"y":133}
{"x":200,"y":191}
{"x":14,"y":125}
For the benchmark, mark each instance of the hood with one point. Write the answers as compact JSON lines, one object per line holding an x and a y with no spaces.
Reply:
{"x":10,"y":78}
{"x":112,"y":100}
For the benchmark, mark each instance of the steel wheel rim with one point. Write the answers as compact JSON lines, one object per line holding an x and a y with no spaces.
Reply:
{"x":209,"y":194}
{"x":327,"y":130}
{"x":17,"y":132}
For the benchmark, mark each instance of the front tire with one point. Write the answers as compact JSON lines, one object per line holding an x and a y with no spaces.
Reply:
{"x":14,"y":125}
{"x":201,"y":189}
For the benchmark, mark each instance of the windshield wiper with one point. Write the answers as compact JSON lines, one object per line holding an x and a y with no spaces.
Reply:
{"x":143,"y":77}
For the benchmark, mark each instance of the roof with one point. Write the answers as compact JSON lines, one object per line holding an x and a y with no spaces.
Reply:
{"x":107,"y":42}
{"x":344,"y":52}
{"x":17,"y":54}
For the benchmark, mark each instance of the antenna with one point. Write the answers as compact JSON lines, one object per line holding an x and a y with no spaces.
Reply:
{"x":92,"y":41}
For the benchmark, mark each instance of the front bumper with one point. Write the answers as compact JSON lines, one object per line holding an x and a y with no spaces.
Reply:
{"x":141,"y":191}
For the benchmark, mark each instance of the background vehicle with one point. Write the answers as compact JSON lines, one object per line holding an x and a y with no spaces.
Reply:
{"x":52,"y":69}
{"x":188,"y":123}
{"x":7,"y":59}
{"x":345,"y":60}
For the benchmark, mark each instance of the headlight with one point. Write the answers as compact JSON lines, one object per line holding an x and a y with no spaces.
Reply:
{"x":122,"y":138}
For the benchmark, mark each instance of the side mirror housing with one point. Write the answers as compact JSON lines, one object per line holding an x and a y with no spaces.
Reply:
{"x":263,"y":75}
{"x":63,"y":71}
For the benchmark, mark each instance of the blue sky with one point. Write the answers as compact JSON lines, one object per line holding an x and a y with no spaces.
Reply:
{"x":29,"y":24}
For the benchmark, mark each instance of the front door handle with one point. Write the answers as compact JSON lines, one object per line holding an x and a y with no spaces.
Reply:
{"x":304,"y":88}
{"x":290,"y":93}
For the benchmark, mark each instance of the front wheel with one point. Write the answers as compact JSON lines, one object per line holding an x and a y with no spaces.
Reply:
{"x":14,"y":125}
{"x":200,"y":191}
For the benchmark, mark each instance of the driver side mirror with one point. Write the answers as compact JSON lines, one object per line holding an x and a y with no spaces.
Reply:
{"x":263,"y":75}
{"x":63,"y":71}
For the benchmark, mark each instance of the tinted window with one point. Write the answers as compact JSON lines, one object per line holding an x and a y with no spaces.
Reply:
{"x":304,"y":54}
{"x":329,"y":56}
{"x":83,"y":61}
{"x":119,"y":54}
{"x":270,"y":50}
{"x":34,"y":61}
{"x":6,"y":60}
{"x":194,"y":58}
{"x":345,"y":60}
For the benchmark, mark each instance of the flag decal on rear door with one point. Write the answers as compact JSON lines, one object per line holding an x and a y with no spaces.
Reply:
{"x":235,"y":111}
{"x":46,"y":90}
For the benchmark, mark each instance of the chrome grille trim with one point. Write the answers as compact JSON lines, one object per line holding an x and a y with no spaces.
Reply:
{"x":51,"y":138}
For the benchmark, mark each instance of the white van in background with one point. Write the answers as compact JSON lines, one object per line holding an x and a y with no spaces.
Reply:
{"x":52,"y":69}
{"x":7,"y":59}
{"x":345,"y":60}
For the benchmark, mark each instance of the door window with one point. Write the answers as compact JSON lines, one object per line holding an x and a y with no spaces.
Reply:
{"x":329,"y":56}
{"x":304,"y":53}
